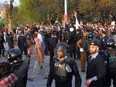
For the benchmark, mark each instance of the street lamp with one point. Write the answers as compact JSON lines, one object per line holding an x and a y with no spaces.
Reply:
{"x":65,"y":10}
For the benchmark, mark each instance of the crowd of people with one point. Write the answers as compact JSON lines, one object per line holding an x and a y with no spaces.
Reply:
{"x":65,"y":45}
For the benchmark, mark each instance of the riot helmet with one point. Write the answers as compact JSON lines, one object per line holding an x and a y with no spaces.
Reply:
{"x":111,"y":43}
{"x":90,"y":35}
{"x":14,"y":55}
{"x":61,"y":47}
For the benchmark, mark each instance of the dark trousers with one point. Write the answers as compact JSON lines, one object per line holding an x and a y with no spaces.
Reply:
{"x":51,"y":57}
{"x":2,"y":50}
{"x":111,"y":76}
{"x":23,"y":50}
{"x":72,"y":49}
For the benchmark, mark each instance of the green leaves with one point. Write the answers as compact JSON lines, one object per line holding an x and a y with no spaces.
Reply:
{"x":46,"y":10}
{"x":92,"y":8}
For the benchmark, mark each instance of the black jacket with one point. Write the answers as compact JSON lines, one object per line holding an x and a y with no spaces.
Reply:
{"x":22,"y":42}
{"x":64,"y":80}
{"x":1,"y":41}
{"x":18,"y":78}
{"x":21,"y":73}
{"x":96,"y":67}
{"x":52,"y":41}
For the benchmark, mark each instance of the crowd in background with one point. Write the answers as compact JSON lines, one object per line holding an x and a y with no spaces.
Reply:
{"x":46,"y":37}
{"x":47,"y":34}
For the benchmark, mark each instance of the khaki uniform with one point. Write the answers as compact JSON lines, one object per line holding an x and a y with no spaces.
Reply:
{"x":82,"y":55}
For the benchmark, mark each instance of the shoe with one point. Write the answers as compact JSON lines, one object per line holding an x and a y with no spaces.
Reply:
{"x":41,"y":67}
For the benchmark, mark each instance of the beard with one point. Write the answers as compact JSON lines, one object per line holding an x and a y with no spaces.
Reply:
{"x":93,"y":51}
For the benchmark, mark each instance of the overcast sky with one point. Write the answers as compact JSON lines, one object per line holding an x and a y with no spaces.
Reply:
{"x":15,"y":3}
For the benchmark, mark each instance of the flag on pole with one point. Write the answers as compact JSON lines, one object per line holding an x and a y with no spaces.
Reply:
{"x":77,"y":23}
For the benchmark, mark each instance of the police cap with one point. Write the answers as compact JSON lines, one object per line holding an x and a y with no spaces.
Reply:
{"x":95,"y":42}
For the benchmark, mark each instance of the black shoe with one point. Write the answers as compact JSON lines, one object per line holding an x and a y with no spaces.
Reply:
{"x":41,"y":67}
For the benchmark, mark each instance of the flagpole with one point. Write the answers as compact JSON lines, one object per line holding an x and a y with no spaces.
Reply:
{"x":65,"y":10}
{"x":65,"y":13}
{"x":65,"y":7}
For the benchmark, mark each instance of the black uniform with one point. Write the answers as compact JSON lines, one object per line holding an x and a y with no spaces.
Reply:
{"x":62,"y":73}
{"x":52,"y":41}
{"x":72,"y":42}
{"x":111,"y":75}
{"x":16,"y":69}
{"x":96,"y":67}
{"x":103,"y":42}
{"x":1,"y":43}
{"x":22,"y":44}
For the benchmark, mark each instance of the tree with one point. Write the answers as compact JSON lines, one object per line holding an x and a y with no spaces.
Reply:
{"x":39,"y":10}
{"x":8,"y":11}
{"x":18,"y":18}
{"x":87,"y":8}
{"x":105,"y":7}
{"x":48,"y":11}
{"x":93,"y":8}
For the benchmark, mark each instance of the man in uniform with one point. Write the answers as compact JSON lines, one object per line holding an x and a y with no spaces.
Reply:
{"x":95,"y":67}
{"x":52,"y":42}
{"x":14,"y":71}
{"x":111,"y":47}
{"x":83,"y":46}
{"x":63,"y":68}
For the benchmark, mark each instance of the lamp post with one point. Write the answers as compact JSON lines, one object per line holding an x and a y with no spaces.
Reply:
{"x":65,"y":11}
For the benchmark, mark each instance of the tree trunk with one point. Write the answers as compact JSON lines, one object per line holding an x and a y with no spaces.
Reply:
{"x":10,"y":22}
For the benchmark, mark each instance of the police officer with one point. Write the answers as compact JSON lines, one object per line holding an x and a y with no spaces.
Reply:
{"x":15,"y":71}
{"x":83,"y":46}
{"x":103,"y":40}
{"x":90,"y":36}
{"x":1,"y":43}
{"x":111,"y":46}
{"x":95,"y":67}
{"x":71,"y":41}
{"x":63,"y":68}
{"x":14,"y":58}
{"x":52,"y":41}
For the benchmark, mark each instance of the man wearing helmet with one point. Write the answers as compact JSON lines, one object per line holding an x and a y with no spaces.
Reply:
{"x":111,"y":47}
{"x":95,"y":67}
{"x":14,"y":72}
{"x":63,"y":68}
